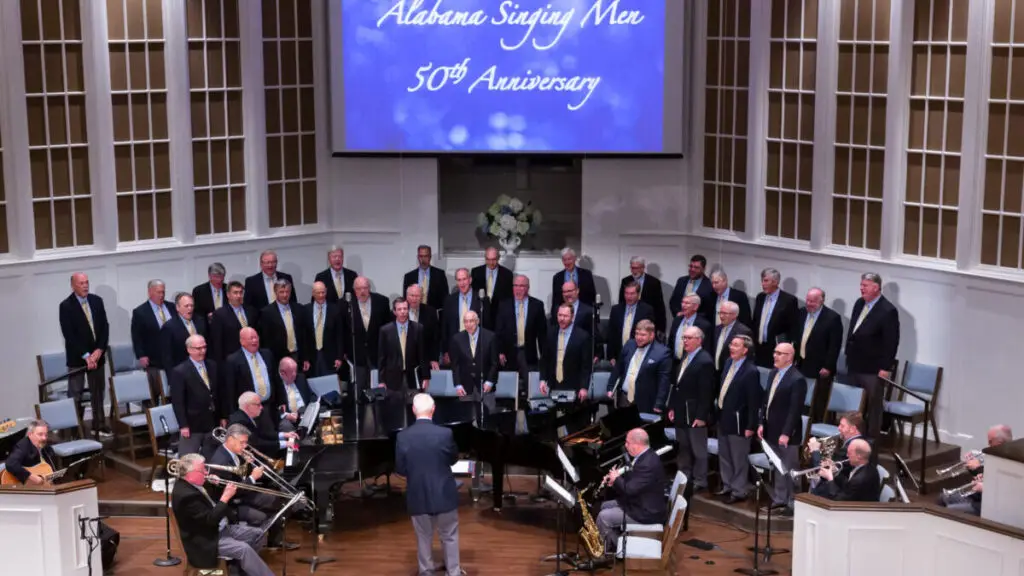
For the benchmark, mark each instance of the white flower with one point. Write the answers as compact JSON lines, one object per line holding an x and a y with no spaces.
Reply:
{"x":494,"y":229}
{"x":537,"y":218}
{"x":524,"y":227}
{"x":516,"y":205}
{"x":494,"y":209}
{"x":502,"y":233}
{"x":481,"y":219}
{"x":507,"y":222}
{"x":503,"y":200}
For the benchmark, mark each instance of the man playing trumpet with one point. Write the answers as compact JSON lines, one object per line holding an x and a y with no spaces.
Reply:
{"x":967,"y":498}
{"x":858,"y":479}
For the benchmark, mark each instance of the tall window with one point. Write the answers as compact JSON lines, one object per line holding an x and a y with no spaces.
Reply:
{"x":725,"y":124}
{"x":860,"y":123}
{"x":1002,"y":213}
{"x":291,"y":123}
{"x":790,"y":159}
{"x":218,"y":144}
{"x":935,"y":128}
{"x":142,"y":164}
{"x":51,"y":32}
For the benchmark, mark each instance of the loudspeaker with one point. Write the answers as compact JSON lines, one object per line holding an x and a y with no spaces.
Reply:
{"x":109,"y":541}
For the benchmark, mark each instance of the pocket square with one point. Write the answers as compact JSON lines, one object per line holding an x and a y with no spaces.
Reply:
{"x":650,"y":361}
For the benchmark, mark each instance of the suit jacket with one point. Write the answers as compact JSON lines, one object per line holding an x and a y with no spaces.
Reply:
{"x":146,"y":333}
{"x":327,"y":277}
{"x":872,"y":347}
{"x":585,"y":282}
{"x":693,"y":392}
{"x":536,"y":329}
{"x":782,"y":325}
{"x":823,"y":344}
{"x":704,"y":290}
{"x":25,"y":455}
{"x":470,"y":370}
{"x":202,"y":296}
{"x":782,"y":415}
{"x":641,"y":491}
{"x":652,"y":380}
{"x":427,"y":318}
{"x":450,"y":322}
{"x":237,"y":378}
{"x":577,"y":363}
{"x":865,"y":486}
{"x":256,"y":290}
{"x":616,"y":318}
{"x":502,"y":291}
{"x":173,"y":336}
{"x":197,"y":407}
{"x":199,"y":523}
{"x":389,"y":362}
{"x":742,"y":301}
{"x":584,"y":318}
{"x":424,"y":454}
{"x":840,"y":453}
{"x":263,"y":434}
{"x":650,"y":294}
{"x":336,"y":330}
{"x":736,"y":330}
{"x":302,"y":385}
{"x":224,"y":328}
{"x":437,"y":290}
{"x":368,"y":337}
{"x":700,"y":322}
{"x":79,"y":340}
{"x":274,"y":335}
{"x":742,"y":402}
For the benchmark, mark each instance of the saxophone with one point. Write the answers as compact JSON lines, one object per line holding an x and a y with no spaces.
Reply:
{"x":588,"y":533}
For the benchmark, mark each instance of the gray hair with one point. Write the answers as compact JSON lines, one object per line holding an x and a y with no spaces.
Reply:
{"x":413,"y":287}
{"x":422,"y":404}
{"x":248,"y":398}
{"x":37,"y":423}
{"x":1002,"y":433}
{"x":155,"y":283}
{"x":816,"y":289}
{"x":748,"y":342}
{"x":637,"y":260}
{"x":267,"y":253}
{"x":216,"y":268}
{"x":729,"y":307}
{"x":282,"y":283}
{"x":720,"y":274}
{"x":871,"y":277}
{"x":335,"y":248}
{"x":181,"y":296}
{"x":692,"y":299}
{"x":236,"y":430}
{"x":566,"y":251}
{"x":522,"y":277}
{"x":772,"y":273}
{"x":194,"y":340}
{"x":694,"y":331}
{"x":466,"y":270}
{"x":192,"y":461}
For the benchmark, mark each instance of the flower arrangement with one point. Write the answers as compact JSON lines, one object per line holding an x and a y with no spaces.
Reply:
{"x":508,"y":220}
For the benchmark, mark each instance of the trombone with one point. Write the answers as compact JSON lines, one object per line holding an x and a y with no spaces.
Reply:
{"x":221,"y":434}
{"x":174,"y":467}
{"x":255,"y":457}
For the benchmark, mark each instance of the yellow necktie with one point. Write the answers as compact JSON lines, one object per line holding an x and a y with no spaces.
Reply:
{"x":808,"y":326}
{"x":261,"y":384}
{"x":472,"y":345}
{"x":521,"y":325}
{"x":425,"y":282}
{"x":241,"y":318}
{"x":679,"y":340}
{"x":270,"y":289}
{"x":293,"y":399}
{"x":690,"y":287}
{"x":771,"y":394}
{"x":337,"y":284}
{"x":413,"y":315}
{"x":191,"y":327}
{"x":634,"y":369}
{"x":216,"y":298}
{"x":88,"y":317}
{"x":319,"y":327}
{"x":725,"y":384}
{"x":290,"y":330}
{"x":560,"y":357}
{"x":462,"y":312}
{"x":490,"y":284}
{"x":401,"y":341}
{"x":160,"y":313}
{"x":863,"y":314}
{"x":718,"y":308}
{"x":364,"y":311}
{"x":718,"y":348}
{"x":204,"y":375}
{"x":627,"y":325}
{"x":682,"y":369}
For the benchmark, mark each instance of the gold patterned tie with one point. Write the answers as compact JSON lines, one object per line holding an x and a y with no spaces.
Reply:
{"x":261,"y":383}
{"x":204,"y":375}
{"x":88,"y":317}
{"x":160,"y":313}
{"x":725,"y":384}
{"x":216,"y":298}
{"x":682,"y":369}
{"x":425,"y":282}
{"x":401,"y":341}
{"x":191,"y":327}
{"x":691,"y":287}
{"x":718,"y":348}
{"x":490,"y":284}
{"x":293,"y":399}
{"x":521,"y":324}
{"x":718,"y":309}
{"x":771,"y":395}
{"x":241,"y":318}
{"x":319,"y":327}
{"x":364,"y":311}
{"x":679,"y":341}
{"x":270,"y":289}
{"x":289,"y":329}
{"x":560,"y":357}
{"x":463,"y":305}
{"x":863,"y":314}
{"x":472,"y":345}
{"x":808,"y":326}
{"x":337,"y":284}
{"x":634,"y":369}
{"x":627,"y":325}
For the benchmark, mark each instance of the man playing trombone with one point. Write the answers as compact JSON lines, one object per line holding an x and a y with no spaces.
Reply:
{"x":855,"y":480}
{"x":263,"y":434}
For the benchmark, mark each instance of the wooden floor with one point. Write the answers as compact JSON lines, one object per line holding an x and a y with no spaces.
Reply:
{"x":375,"y":537}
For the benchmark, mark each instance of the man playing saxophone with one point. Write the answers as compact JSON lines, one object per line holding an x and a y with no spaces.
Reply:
{"x":858,"y":479}
{"x":967,"y":498}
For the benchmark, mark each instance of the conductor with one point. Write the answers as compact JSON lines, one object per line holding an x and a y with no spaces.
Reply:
{"x":424,"y":455}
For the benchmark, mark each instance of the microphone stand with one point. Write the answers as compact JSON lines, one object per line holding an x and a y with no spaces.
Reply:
{"x":756,"y":570}
{"x":167,"y":560}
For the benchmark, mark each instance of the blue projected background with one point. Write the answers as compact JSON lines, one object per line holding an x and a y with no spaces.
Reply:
{"x":487,"y":75}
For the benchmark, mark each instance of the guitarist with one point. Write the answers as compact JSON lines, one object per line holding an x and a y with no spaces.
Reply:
{"x":30,"y":452}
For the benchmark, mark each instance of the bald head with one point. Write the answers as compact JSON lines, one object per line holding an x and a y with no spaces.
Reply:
{"x":783,"y":355}
{"x":319,"y":292}
{"x":80,"y":284}
{"x":361,"y":287}
{"x":859,"y":452}
{"x":999,"y":434}
{"x":249,"y":339}
{"x":637,"y":441}
{"x":288,"y":369}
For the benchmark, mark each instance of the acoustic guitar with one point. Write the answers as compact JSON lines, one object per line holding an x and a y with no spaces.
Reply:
{"x":42,"y":469}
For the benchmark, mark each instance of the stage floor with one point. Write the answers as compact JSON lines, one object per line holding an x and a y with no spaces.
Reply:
{"x":375,"y":537}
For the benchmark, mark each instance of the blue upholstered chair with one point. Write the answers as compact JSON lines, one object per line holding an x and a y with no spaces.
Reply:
{"x":122,"y":358}
{"x":157,"y":432}
{"x":126,"y":389}
{"x":63,"y":415}
{"x":51,"y":365}
{"x":842,"y":398}
{"x":925,"y":380}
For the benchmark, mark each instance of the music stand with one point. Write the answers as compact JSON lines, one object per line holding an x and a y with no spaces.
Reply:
{"x":777,"y":467}
{"x":757,"y":570}
{"x":314,"y":560}
{"x":565,"y":501}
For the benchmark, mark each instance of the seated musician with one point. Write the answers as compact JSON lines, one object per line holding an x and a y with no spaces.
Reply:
{"x":850,"y":426}
{"x":643,"y":370}
{"x":858,"y":481}
{"x":294,"y":392}
{"x":208,"y":527}
{"x":29,"y":452}
{"x":639,"y":493}
{"x":263,"y":434}
{"x":971,"y":501}
{"x":566,"y":361}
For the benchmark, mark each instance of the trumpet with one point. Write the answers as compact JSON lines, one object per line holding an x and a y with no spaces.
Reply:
{"x":961,"y":466}
{"x":961,"y":492}
{"x":813,"y":473}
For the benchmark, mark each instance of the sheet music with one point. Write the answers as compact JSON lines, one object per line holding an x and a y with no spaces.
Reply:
{"x":462,"y":468}
{"x":899,"y":489}
{"x":773,"y":457}
{"x":561,"y":493}
{"x":569,"y":468}
{"x":563,"y":396}
{"x":309,"y":417}
{"x":269,"y":523}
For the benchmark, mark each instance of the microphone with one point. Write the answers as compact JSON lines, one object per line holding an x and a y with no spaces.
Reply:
{"x":163,"y":423}
{"x":597,"y":301}
{"x":348,"y":296}
{"x":481,"y":294}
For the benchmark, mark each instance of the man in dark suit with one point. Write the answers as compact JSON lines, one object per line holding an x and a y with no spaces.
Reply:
{"x":263,"y":430}
{"x":580,"y":277}
{"x":31,"y":450}
{"x":211,"y":295}
{"x":642,"y":372}
{"x":496,"y":282}
{"x":639,"y":493}
{"x":455,"y":308}
{"x":251,"y":369}
{"x":426,"y":316}
{"x":728,"y":328}
{"x":174,"y":332}
{"x":858,"y":481}
{"x":819,"y":337}
{"x":474,"y":354}
{"x":774,"y":319}
{"x":689,"y":317}
{"x":323,"y":333}
{"x":282,"y":326}
{"x":294,"y":392}
{"x":147,"y":319}
{"x":871,"y":346}
{"x":566,"y":363}
{"x":781,"y":425}
{"x":583,"y":315}
{"x":196,"y":395}
{"x":737,"y":407}
{"x":424,"y":455}
{"x":402,"y":363}
{"x":692,"y":399}
{"x":83,"y":322}
{"x":695,"y":282}
{"x":228,"y":321}
{"x":648,"y":291}
{"x":725,"y":293}
{"x":521,"y":329}
{"x":337,"y":279}
{"x":850,"y":426}
{"x":623,"y":319}
{"x":209,"y":528}
{"x":370,"y":311}
{"x":430,"y":278}
{"x":259,"y":288}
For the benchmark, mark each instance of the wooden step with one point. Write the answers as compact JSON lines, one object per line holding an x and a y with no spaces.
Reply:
{"x":742,"y":515}
{"x":122,"y":463}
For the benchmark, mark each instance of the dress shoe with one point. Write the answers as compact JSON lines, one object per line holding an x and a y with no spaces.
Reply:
{"x":597,"y":564}
{"x":722,"y":493}
{"x":733,"y":499}
{"x":291,"y":546}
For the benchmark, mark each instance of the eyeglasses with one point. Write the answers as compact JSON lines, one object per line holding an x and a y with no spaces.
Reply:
{"x":199,"y":347}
